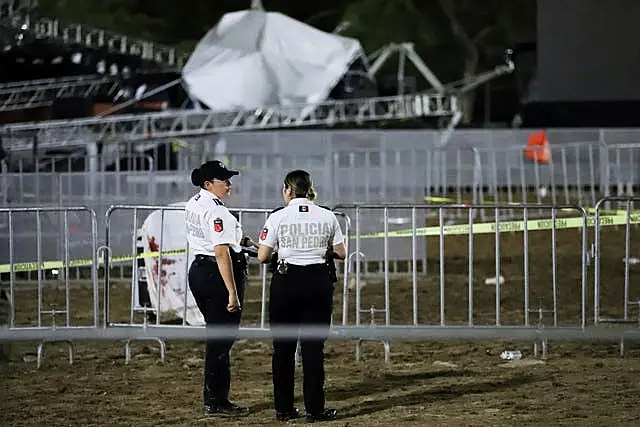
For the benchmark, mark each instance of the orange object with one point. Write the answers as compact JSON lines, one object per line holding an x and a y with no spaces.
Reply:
{"x":538,"y":148}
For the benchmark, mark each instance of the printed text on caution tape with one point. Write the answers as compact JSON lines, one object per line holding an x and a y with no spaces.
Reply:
{"x":48,"y":265}
{"x":457,"y":229}
{"x":509,"y":226}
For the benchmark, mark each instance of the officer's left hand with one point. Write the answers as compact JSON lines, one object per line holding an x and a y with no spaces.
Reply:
{"x":234,"y":303}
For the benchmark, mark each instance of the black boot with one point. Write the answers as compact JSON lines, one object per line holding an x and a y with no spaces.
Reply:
{"x":326,"y":415}
{"x":288,"y":415}
{"x":224,"y":408}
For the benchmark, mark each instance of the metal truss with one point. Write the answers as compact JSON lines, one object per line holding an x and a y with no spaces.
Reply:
{"x":13,"y":7}
{"x":24,"y":26}
{"x":78,"y":34}
{"x":184,"y":123}
{"x":41,"y":93}
{"x":406,"y":51}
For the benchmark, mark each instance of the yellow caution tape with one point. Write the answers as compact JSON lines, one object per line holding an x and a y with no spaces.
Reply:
{"x":436,"y":199}
{"x":509,"y":226}
{"x":84,"y":262}
{"x":447,"y":230}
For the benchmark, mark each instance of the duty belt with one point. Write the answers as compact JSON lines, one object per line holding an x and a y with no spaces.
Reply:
{"x":239,"y":260}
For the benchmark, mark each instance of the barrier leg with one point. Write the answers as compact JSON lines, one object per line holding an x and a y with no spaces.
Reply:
{"x":40,"y":349}
{"x":160,"y":341}
{"x":544,"y":343}
{"x":633,"y":304}
{"x":127,"y":348}
{"x":385,"y":343}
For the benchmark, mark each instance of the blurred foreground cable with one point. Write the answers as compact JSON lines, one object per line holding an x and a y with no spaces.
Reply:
{"x":402,"y":333}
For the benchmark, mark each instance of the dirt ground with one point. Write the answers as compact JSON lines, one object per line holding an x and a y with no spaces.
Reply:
{"x":426,"y":383}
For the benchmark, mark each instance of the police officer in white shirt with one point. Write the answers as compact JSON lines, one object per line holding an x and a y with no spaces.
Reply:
{"x":216,"y":277}
{"x":301,"y":292}
{"x":331,"y":265}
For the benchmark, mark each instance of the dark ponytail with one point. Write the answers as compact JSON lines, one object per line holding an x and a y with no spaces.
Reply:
{"x":196,"y":177}
{"x":300,"y":183}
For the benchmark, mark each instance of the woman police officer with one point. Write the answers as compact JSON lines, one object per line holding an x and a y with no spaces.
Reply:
{"x":331,"y":264}
{"x":216,"y":277}
{"x":301,"y":292}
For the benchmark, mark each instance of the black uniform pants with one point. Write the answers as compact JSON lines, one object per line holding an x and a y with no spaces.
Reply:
{"x":212,"y":297}
{"x":303,"y":296}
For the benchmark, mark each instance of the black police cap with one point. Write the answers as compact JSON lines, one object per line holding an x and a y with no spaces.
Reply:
{"x":208,"y":171}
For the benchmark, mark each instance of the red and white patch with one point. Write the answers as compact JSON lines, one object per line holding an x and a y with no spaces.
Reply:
{"x":264,"y":233}
{"x":217,"y":225}
{"x":303,"y":208}
{"x":197,"y":197}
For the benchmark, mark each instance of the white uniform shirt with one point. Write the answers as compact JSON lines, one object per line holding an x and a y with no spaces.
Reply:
{"x":209,"y":223}
{"x":302,"y":231}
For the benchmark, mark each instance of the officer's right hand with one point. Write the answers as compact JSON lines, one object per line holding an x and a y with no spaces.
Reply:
{"x":328,"y":255}
{"x":234,"y":303}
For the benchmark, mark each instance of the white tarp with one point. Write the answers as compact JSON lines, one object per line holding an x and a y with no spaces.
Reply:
{"x":173,"y":274}
{"x":254,"y":58}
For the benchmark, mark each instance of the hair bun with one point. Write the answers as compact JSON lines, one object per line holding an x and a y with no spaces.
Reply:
{"x":196,"y":177}
{"x":311,"y":194}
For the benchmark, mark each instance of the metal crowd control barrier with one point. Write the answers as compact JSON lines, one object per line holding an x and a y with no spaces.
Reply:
{"x":471,"y":231}
{"x":571,"y":174}
{"x":621,"y":217}
{"x":83,"y":164}
{"x":252,"y":221}
{"x":109,"y":259}
{"x":619,"y":172}
{"x":454,"y":303}
{"x":28,"y":231}
{"x":55,"y":180}
{"x":133,"y":228}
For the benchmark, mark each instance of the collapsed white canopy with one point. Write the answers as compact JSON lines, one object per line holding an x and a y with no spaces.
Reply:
{"x":254,"y":58}
{"x":168,"y":284}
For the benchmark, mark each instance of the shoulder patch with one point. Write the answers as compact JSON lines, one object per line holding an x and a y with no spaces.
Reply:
{"x":197,"y":197}
{"x":303,"y":208}
{"x":265,"y":232}
{"x":276,"y":210}
{"x":218,"y":225}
